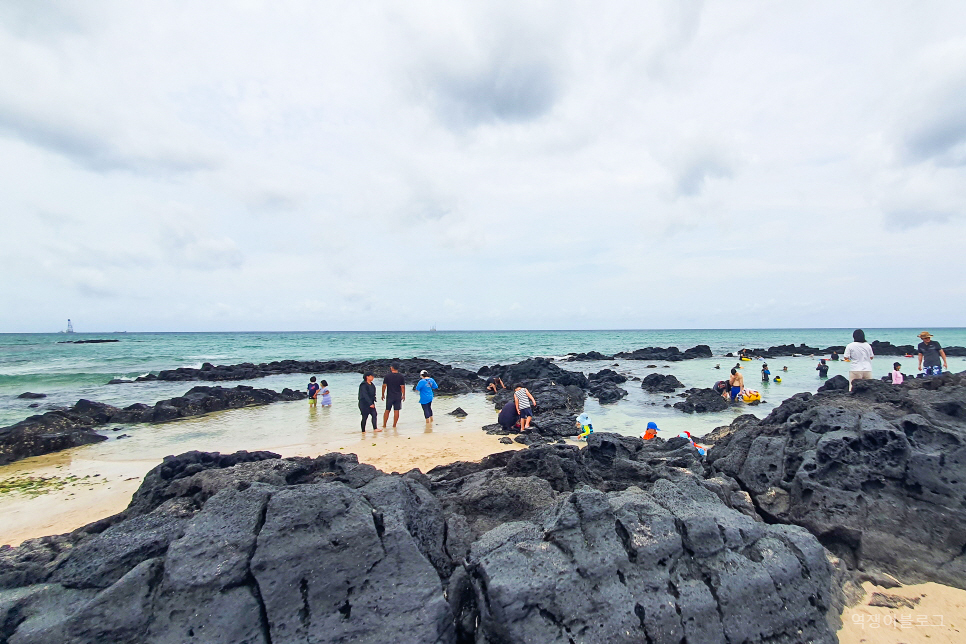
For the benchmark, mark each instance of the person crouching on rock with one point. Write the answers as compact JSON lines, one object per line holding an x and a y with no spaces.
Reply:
{"x":721,"y":388}
{"x":509,"y":418}
{"x":367,"y":401}
{"x":494,"y":384}
{"x":586,"y":428}
{"x":522,"y":399}
{"x":425,"y":388}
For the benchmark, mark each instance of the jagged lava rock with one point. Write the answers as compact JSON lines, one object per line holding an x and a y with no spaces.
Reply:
{"x":879,"y":475}
{"x":330,"y":550}
{"x":661,"y":383}
{"x":701,"y":401}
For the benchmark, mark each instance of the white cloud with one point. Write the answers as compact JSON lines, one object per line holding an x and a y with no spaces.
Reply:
{"x":303,"y":165}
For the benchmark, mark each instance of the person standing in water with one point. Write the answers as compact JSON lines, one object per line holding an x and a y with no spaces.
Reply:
{"x":858,"y":354}
{"x":737,"y":382}
{"x":326,"y":394}
{"x":822,"y":368}
{"x":425,"y":388}
{"x":930,"y":353}
{"x":394,"y":393}
{"x":765,"y":373}
{"x":313,"y":390}
{"x":367,"y":401}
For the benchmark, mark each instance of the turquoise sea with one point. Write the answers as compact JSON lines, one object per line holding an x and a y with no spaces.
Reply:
{"x":66,"y":372}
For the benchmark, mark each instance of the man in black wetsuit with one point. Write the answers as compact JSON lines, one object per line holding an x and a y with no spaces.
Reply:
{"x":822,"y":369}
{"x":367,"y":401}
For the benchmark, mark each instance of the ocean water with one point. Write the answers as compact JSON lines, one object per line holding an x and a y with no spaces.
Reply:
{"x":68,"y":372}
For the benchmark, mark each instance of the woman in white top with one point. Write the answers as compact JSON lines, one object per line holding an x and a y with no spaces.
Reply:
{"x":859,"y":355}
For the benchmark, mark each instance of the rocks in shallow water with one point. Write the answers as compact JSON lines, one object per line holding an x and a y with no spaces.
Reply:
{"x":506,"y":440}
{"x":875,"y":474}
{"x":604,"y":386}
{"x":620,"y":541}
{"x":607,"y":375}
{"x":701,"y":401}
{"x":459,"y":413}
{"x":671,"y":354}
{"x":549,"y":396}
{"x":119,"y":381}
{"x":31,"y":396}
{"x":590,"y":355}
{"x":535,"y":369}
{"x":660,"y":383}
{"x":61,"y":429}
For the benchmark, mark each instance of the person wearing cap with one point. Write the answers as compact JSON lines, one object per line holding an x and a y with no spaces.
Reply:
{"x":651,"y":431}
{"x":930,"y":354}
{"x":858,"y":354}
{"x":367,"y":401}
{"x":425,"y":388}
{"x":394,"y":393}
{"x":586,"y":427}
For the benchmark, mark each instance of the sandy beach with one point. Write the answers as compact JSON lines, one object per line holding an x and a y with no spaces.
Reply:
{"x":930,"y":614}
{"x":99,"y":488}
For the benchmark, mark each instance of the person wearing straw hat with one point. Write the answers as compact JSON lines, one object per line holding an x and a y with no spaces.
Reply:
{"x":930,"y":355}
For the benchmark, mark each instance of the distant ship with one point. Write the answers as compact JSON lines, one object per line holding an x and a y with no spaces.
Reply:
{"x":433,"y":328}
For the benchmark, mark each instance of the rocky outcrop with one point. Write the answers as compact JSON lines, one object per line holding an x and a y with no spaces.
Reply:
{"x":534,"y":369}
{"x":29,"y":395}
{"x":621,"y":541}
{"x":587,"y":357}
{"x":701,"y":401}
{"x":604,"y":385}
{"x":451,"y":380}
{"x":671,"y":354}
{"x":75,"y":426}
{"x":876,"y":474}
{"x":880,"y":348}
{"x":661,"y":383}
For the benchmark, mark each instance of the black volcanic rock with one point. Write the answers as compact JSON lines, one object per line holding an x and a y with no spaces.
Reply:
{"x":62,"y":429}
{"x":671,"y":354}
{"x":702,"y":401}
{"x":835,"y":383}
{"x":329,"y":550}
{"x":451,"y":380}
{"x":590,"y":355}
{"x":459,"y":413}
{"x":661,"y":383}
{"x":29,"y":395}
{"x":876,"y":474}
{"x":535,"y":369}
{"x":549,"y":396}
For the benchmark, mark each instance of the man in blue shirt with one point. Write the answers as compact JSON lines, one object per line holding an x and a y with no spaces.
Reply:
{"x":425,"y":388}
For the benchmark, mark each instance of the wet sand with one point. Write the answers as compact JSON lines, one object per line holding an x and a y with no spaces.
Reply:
{"x":111,"y":481}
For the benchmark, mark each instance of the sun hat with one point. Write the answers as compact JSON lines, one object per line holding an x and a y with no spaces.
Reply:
{"x":925,"y":334}
{"x":423,"y":373}
{"x":652,"y":425}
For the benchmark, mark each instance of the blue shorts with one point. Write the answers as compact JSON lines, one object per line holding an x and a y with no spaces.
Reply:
{"x":932,"y":371}
{"x":427,"y":409}
{"x":734,"y":392}
{"x":526,"y":412}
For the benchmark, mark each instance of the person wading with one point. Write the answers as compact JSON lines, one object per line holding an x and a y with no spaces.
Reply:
{"x":367,"y":401}
{"x":858,"y":354}
{"x":394,"y":393}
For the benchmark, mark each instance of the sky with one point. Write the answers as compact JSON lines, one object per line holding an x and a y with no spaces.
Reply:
{"x":186,"y":166}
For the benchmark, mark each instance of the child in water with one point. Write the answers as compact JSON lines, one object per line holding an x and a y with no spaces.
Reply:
{"x":896,"y":374}
{"x":586,"y":428}
{"x":765,"y":373}
{"x":326,"y":396}
{"x":313,"y":390}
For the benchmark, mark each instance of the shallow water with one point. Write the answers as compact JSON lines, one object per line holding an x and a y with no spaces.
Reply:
{"x":67,"y":372}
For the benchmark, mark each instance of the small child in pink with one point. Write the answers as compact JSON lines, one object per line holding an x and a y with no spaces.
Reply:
{"x":896,"y":374}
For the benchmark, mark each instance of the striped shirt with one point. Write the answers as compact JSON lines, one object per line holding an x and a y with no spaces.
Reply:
{"x":522,"y":398}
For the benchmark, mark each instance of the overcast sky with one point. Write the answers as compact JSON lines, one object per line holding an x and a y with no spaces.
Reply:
{"x":482,"y":165}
